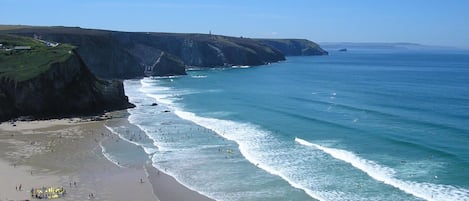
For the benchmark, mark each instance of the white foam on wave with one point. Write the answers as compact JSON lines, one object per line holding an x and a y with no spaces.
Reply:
{"x":147,"y":150}
{"x":199,"y":76}
{"x":120,"y":135}
{"x":146,"y":82}
{"x":165,"y":99}
{"x":108,"y":156}
{"x":151,"y":84}
{"x":162,"y":94}
{"x":163,"y":77}
{"x":249,"y":139}
{"x":155,"y":164}
{"x":241,"y":66}
{"x":147,"y":132}
{"x":427,"y":191}
{"x":149,"y":90}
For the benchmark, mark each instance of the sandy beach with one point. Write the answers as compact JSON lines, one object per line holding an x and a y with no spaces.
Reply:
{"x":67,"y":153}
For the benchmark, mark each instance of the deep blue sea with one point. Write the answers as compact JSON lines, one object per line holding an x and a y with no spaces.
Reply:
{"x":356,"y":125}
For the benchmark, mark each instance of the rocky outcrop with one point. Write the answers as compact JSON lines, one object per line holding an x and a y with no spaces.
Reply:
{"x":295,"y":47}
{"x":67,"y":88}
{"x":166,"y":65}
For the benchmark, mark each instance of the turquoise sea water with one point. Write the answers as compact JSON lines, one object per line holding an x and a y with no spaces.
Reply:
{"x":358,"y":125}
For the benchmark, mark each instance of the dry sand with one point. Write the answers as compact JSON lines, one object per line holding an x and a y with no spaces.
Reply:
{"x":64,"y":152}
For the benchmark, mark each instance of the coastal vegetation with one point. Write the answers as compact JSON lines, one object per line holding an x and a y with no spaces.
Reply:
{"x":23,"y":58}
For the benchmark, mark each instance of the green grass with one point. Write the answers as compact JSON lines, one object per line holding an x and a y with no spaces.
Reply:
{"x":26,"y":64}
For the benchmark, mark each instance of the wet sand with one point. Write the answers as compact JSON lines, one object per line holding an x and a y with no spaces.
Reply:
{"x":168,"y":189}
{"x":66,"y":153}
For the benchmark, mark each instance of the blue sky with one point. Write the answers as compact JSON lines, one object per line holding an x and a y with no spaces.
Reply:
{"x":431,"y":22}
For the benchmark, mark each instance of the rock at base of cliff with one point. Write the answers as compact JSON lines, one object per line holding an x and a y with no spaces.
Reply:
{"x":166,"y":65}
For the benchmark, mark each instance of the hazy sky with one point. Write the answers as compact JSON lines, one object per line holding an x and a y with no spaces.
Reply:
{"x":432,"y":22}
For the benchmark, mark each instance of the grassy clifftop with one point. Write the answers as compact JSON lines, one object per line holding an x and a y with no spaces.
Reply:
{"x":23,"y":64}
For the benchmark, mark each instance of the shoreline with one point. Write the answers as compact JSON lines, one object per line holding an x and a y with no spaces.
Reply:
{"x":167,"y":188}
{"x":62,"y":152}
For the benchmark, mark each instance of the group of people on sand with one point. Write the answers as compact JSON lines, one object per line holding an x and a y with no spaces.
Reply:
{"x":47,"y":193}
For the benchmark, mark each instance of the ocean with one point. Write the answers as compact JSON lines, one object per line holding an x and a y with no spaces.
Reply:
{"x":355,"y":125}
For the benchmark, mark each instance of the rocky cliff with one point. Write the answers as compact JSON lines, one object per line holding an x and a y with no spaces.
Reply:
{"x":295,"y":47}
{"x":61,"y":82}
{"x":112,"y":54}
{"x":66,"y":87}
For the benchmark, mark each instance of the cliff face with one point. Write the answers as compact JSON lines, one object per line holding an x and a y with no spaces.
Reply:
{"x":295,"y":47}
{"x":111,"y":54}
{"x":48,"y":83}
{"x":165,"y":64}
{"x":202,"y":50}
{"x":66,"y":88}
